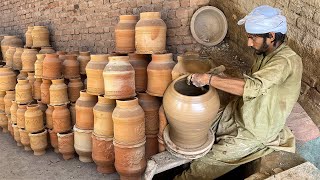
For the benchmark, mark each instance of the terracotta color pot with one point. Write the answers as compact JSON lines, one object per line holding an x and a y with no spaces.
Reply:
{"x":162,"y":121}
{"x":7,"y":79}
{"x":47,"y":50}
{"x":150,"y":33}
{"x":3,"y":122}
{"x":38,"y":66}
{"x":10,"y":41}
{"x":161,"y":145}
{"x":58,"y":92}
{"x":37,"y":89}
{"x":139,"y":63}
{"x":84,"y":110}
{"x":45,"y":93}
{"x":74,"y":88}
{"x":49,"y":120}
{"x":66,"y":144}
{"x":20,"y":115}
{"x":150,"y":106}
{"x":189,"y":126}
{"x":17,"y":63}
{"x":94,"y":70}
{"x":71,"y":67}
{"x":152,"y":145}
{"x":25,"y":140}
{"x":31,"y":80}
{"x":23,"y":92}
{"x":130,"y":161}
{"x":125,"y":34}
{"x":28,"y":58}
{"x":40,"y":36}
{"x":13,"y":111}
{"x":83,"y":144}
{"x":72,"y":109}
{"x":102,"y":112}
{"x":52,"y":67}
{"x":38,"y":142}
{"x":22,"y":75}
{"x":54,"y":140}
{"x":2,"y":104}
{"x":61,"y":119}
{"x":16,"y":134}
{"x":83,"y":59}
{"x":159,"y":74}
{"x":103,"y":153}
{"x":28,"y":35}
{"x":128,"y":116}
{"x":33,"y":119}
{"x":118,"y":78}
{"x":9,"y":56}
{"x":8,"y":98}
{"x":62,"y":55}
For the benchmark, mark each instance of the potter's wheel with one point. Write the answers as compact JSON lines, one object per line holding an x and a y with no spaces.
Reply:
{"x":192,"y":153}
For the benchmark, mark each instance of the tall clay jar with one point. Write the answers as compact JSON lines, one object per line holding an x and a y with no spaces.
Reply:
{"x":49,"y":120}
{"x":118,"y":78}
{"x":83,"y":59}
{"x":40,"y":36}
{"x":23,"y":92}
{"x":102,"y":112}
{"x":25,"y":140}
{"x":94,"y":70}
{"x":28,"y":35}
{"x":66,"y":144}
{"x":51,"y":67}
{"x":31,"y":80}
{"x":2,"y":104}
{"x":3,"y":122}
{"x":16,"y":134}
{"x":8,"y":98}
{"x":150,"y":33}
{"x":17,"y":63}
{"x":58,"y":92}
{"x":83,"y":144}
{"x":10,"y":41}
{"x":61,"y":119}
{"x":128,"y":116}
{"x":20,"y":115}
{"x":71,"y":67}
{"x":47,"y":50}
{"x":84,"y":110}
{"x":37,"y":89}
{"x":72,"y":109}
{"x":125,"y":34}
{"x":139,"y":63}
{"x":7,"y":79}
{"x":39,"y":142}
{"x":74,"y":88}
{"x":13,"y":111}
{"x":28,"y":58}
{"x":150,"y":106}
{"x":33,"y":119}
{"x":45,"y":93}
{"x":54,"y":140}
{"x":159,"y":74}
{"x":38,"y":66}
{"x":9,"y":56}
{"x":103,"y":153}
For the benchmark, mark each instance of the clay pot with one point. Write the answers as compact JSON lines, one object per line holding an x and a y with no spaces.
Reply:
{"x":28,"y":58}
{"x":128,"y":116}
{"x":150,"y":34}
{"x":10,"y":128}
{"x":37,"y":89}
{"x":45,"y":93}
{"x":47,"y":50}
{"x":72,"y":109}
{"x":71,"y":67}
{"x":139,"y":63}
{"x":178,"y":70}
{"x":119,"y":78}
{"x":2,"y":104}
{"x":161,"y":145}
{"x":152,"y":145}
{"x":8,"y":98}
{"x":102,"y":112}
{"x":49,"y":120}
{"x":43,"y":108}
{"x":16,"y":134}
{"x":94,"y":70}
{"x":58,"y":92}
{"x":20,"y":115}
{"x":33,"y":119}
{"x":125,"y":34}
{"x":103,"y":154}
{"x":38,"y":142}
{"x":17,"y":63}
{"x":38,"y":66}
{"x":74,"y":88}
{"x":9,"y":41}
{"x":61,"y":55}
{"x":22,"y":75}
{"x":7,"y":79}
{"x":52,"y":67}
{"x":28,"y":35}
{"x":162,"y":121}
{"x":130,"y":161}
{"x":189,"y":126}
{"x":54,"y":140}
{"x":31,"y":80}
{"x":84,"y":110}
{"x":66,"y":145}
{"x":9,"y":56}
{"x":83,"y":59}
{"x":23,"y":92}
{"x":83,"y":144}
{"x":150,"y":106}
{"x":13,"y":111}
{"x":61,"y":119}
{"x":40,"y":36}
{"x":159,"y":74}
{"x":3,"y":122}
{"x":25,"y":140}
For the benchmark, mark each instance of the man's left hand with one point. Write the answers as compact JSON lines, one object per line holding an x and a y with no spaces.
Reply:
{"x":199,"y":80}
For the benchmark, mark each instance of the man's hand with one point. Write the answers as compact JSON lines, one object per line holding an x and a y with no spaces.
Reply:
{"x":198,"y":80}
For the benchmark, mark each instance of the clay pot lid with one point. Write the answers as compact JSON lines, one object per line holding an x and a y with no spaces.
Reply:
{"x":209,"y":26}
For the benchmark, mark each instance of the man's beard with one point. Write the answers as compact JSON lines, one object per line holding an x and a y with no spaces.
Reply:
{"x":263,"y":49}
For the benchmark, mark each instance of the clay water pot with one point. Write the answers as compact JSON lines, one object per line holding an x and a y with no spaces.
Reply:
{"x":161,"y":145}
{"x":45,"y":93}
{"x":16,"y":134}
{"x":125,"y":34}
{"x":61,"y":119}
{"x":83,"y":144}
{"x":28,"y":58}
{"x":28,"y":35}
{"x":152,"y":145}
{"x":83,"y":59}
{"x":31,"y":80}
{"x":22,"y":75}
{"x":118,"y":78}
{"x":38,"y":66}
{"x":159,"y":73}
{"x":9,"y":56}
{"x":47,"y":50}
{"x":33,"y":119}
{"x":20,"y":115}
{"x":58,"y":92}
{"x":162,"y":122}
{"x":17,"y":63}
{"x":7,"y":79}
{"x":37,"y":89}
{"x":40,"y":36}
{"x":150,"y":106}
{"x":130,"y":161}
{"x":66,"y":144}
{"x":178,"y":70}
{"x":139,"y":63}
{"x":94,"y":70}
{"x":190,"y":112}
{"x":102,"y":112}
{"x":72,"y":109}
{"x":23,"y":92}
{"x":71,"y":67}
{"x":54,"y":140}
{"x":8,"y":98}
{"x":3,"y":122}
{"x":38,"y":142}
{"x":128,"y":116}
{"x":150,"y":34}
{"x":2,"y":104}
{"x":74,"y":88}
{"x":25,"y":140}
{"x":52,"y":67}
{"x":13,"y":111}
{"x":84,"y":110}
{"x":103,"y":153}
{"x":9,"y":41}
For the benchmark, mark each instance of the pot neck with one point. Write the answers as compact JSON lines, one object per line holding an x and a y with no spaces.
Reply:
{"x":104,"y":100}
{"x":137,"y":57}
{"x":40,"y":57}
{"x":23,"y":81}
{"x":99,"y":57}
{"x":11,"y":92}
{"x":128,"y":18}
{"x":85,"y":53}
{"x":162,"y":57}
{"x":127,"y":103}
{"x":150,"y":15}
{"x":33,"y":107}
{"x":51,"y":55}
{"x":85,"y":95}
{"x":119,"y":59}
{"x":22,"y":106}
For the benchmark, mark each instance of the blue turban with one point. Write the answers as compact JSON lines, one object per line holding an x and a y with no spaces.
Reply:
{"x":264,"y":19}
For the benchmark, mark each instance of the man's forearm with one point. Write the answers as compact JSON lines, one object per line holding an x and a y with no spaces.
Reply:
{"x":231,"y":85}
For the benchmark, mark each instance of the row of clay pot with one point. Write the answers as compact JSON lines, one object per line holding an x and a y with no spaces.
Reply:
{"x":21,"y":59}
{"x":37,"y":36}
{"x":9,"y":41}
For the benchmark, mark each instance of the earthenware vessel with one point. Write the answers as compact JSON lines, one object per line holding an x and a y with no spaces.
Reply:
{"x":66,"y":144}
{"x":7,"y":79}
{"x":9,"y":56}
{"x":94,"y":70}
{"x":125,"y":33}
{"x":161,"y":145}
{"x":84,"y":110}
{"x":139,"y":63}
{"x":58,"y":92}
{"x":83,"y":144}
{"x":20,"y":115}
{"x":54,"y":140}
{"x":17,"y":63}
{"x":16,"y":134}
{"x":72,"y":109}
{"x":37,"y":89}
{"x":8,"y":98}
{"x":28,"y":35}
{"x":31,"y":80}
{"x":38,"y":66}
{"x":45,"y":93}
{"x":47,"y":50}
{"x":39,"y":142}
{"x":52,"y":67}
{"x":13,"y":111}
{"x":103,"y":153}
{"x":71,"y":67}
{"x":162,"y":121}
{"x":23,"y":92}
{"x":33,"y":119}
{"x":74,"y":88}
{"x":40,"y":36}
{"x":61,"y":119}
{"x":10,"y":41}
{"x":25,"y":140}
{"x":102,"y":112}
{"x":22,"y":75}
{"x":83,"y":59}
{"x":28,"y":58}
{"x":178,"y":70}
{"x":49,"y":120}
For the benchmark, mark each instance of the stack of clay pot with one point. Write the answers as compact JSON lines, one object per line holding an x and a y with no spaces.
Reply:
{"x":7,"y":42}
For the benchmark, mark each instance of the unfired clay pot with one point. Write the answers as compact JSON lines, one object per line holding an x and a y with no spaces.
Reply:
{"x":38,"y":142}
{"x":83,"y":144}
{"x":66,"y":145}
{"x":54,"y":140}
{"x":139,"y":63}
{"x":23,"y":92}
{"x":37,"y":89}
{"x":94,"y":70}
{"x":83,"y":59}
{"x":20,"y":115}
{"x":28,"y":35}
{"x":2,"y":104}
{"x":8,"y":98}
{"x":58,"y":92}
{"x":43,"y":108}
{"x":47,"y":50}
{"x":102,"y":112}
{"x":40,"y":36}
{"x":28,"y":58}
{"x":7,"y":79}
{"x":45,"y":93}
{"x":10,"y":41}
{"x":3,"y":122}
{"x":84,"y":110}
{"x":16,"y":134}
{"x":17,"y":63}
{"x":22,"y":75}
{"x":74,"y":88}
{"x":49,"y":120}
{"x":38,"y":66}
{"x":31,"y":80}
{"x":61,"y":119}
{"x":71,"y":67}
{"x":33,"y":119}
{"x":125,"y":34}
{"x":13,"y":111}
{"x":103,"y":153}
{"x":9,"y":56}
{"x":25,"y":140}
{"x":52,"y":67}
{"x":152,"y":145}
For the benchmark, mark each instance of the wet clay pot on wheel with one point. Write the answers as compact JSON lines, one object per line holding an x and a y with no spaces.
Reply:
{"x":103,"y":153}
{"x":54,"y":140}
{"x":23,"y":92}
{"x":25,"y":140}
{"x":58,"y":92}
{"x":71,"y":67}
{"x":84,"y":110}
{"x":52,"y":67}
{"x":7,"y":79}
{"x":61,"y":119}
{"x":83,"y":59}
{"x":125,"y":34}
{"x":45,"y":93}
{"x":66,"y":144}
{"x":139,"y":63}
{"x":38,"y":142}
{"x":83,"y":144}
{"x":33,"y":119}
{"x":74,"y":88}
{"x":102,"y":112}
{"x":3,"y":122}
{"x":190,"y":112}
